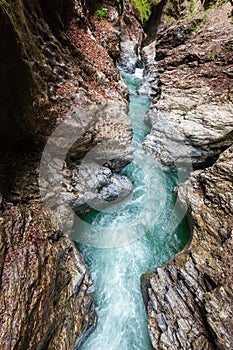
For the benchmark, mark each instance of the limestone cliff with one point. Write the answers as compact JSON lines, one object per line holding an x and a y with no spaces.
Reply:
{"x":195,"y":109}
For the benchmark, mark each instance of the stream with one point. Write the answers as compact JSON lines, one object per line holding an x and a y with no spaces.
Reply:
{"x":122,"y":319}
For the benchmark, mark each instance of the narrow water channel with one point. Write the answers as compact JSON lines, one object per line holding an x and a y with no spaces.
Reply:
{"x":122,"y":321}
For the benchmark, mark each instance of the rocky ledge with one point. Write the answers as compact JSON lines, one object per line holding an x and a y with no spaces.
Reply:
{"x":189,"y":299}
{"x":192,"y":119}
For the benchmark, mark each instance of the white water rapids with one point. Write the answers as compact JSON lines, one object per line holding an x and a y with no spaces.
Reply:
{"x":122,"y":319}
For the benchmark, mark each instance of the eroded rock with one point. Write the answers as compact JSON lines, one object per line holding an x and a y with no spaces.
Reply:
{"x":132,"y":35}
{"x":46,"y":290}
{"x":193,"y":120}
{"x":188,"y":298}
{"x":54,"y":68}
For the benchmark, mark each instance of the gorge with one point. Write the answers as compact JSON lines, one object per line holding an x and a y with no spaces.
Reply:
{"x":142,"y":242}
{"x":58,"y":68}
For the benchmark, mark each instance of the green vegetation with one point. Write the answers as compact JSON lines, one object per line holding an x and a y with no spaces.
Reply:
{"x":192,"y":7}
{"x":102,"y":13}
{"x":195,"y":24}
{"x":229,"y":45}
{"x":212,"y":58}
{"x":192,"y":28}
{"x":144,"y":7}
{"x":6,"y":10}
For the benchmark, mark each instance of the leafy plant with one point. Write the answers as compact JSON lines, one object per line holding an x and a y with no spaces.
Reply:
{"x":192,"y":7}
{"x":212,"y":57}
{"x":144,"y":7}
{"x":102,"y":13}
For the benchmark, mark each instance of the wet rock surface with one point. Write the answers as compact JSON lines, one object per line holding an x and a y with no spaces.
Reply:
{"x":54,"y":68}
{"x":46,"y":290}
{"x":87,"y":177}
{"x":192,"y":121}
{"x":188,"y":299}
{"x":90,"y":186}
{"x":132,"y":35}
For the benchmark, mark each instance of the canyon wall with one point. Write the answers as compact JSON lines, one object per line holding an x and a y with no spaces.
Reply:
{"x":57,"y":66}
{"x":189,"y":299}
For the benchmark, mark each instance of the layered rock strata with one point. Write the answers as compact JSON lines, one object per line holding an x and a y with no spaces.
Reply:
{"x":192,"y":121}
{"x":189,"y":300}
{"x":55,"y":66}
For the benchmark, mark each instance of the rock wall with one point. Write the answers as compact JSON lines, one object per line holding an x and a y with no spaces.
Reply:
{"x":46,"y":290}
{"x":58,"y":60}
{"x":195,"y":109}
{"x":56,"y":66}
{"x":189,"y":299}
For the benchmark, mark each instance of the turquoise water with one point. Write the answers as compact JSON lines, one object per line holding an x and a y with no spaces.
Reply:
{"x":141,"y":224}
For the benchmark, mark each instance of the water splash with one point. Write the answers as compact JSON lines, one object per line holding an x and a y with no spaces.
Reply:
{"x":122,"y":321}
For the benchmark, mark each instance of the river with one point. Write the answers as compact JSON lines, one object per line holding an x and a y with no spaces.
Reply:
{"x":122,"y":319}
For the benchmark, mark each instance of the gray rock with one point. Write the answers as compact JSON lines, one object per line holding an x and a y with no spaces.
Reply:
{"x":192,"y":120}
{"x":188,"y":300}
{"x":119,"y":188}
{"x":131,"y":37}
{"x":56,"y":79}
{"x":150,"y":84}
{"x":184,"y":130}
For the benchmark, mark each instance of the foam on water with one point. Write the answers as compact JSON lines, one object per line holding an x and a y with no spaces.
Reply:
{"x":139,"y":73}
{"x":122,"y":321}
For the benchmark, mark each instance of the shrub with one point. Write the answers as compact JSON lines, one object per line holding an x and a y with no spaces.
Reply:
{"x":144,"y":7}
{"x":102,"y":13}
